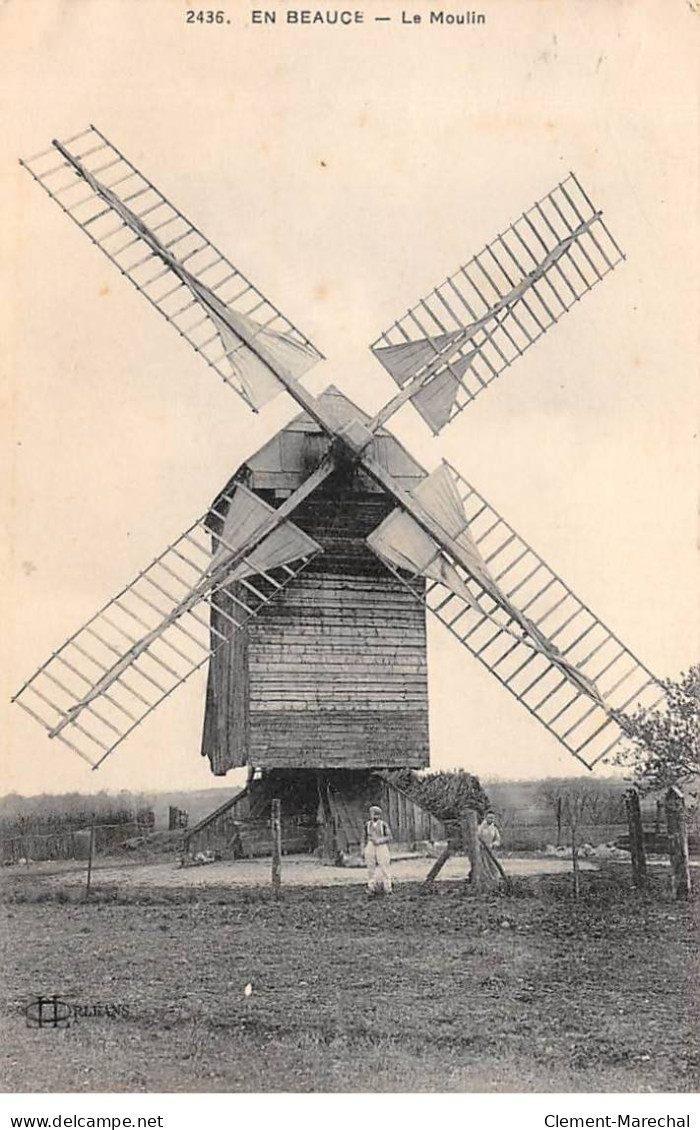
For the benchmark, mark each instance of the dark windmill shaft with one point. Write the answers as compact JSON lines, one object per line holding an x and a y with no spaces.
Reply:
{"x":305,"y":585}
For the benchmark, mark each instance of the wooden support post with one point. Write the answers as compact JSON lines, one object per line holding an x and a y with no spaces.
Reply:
{"x":558,"y":821}
{"x":276,"y":825}
{"x":470,"y":826}
{"x":90,"y":854}
{"x":439,"y":863}
{"x":677,"y":843}
{"x":574,"y":861}
{"x":496,"y":865}
{"x":636,"y":833}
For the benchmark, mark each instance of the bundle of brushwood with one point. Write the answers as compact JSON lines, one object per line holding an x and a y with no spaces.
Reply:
{"x":444,"y":793}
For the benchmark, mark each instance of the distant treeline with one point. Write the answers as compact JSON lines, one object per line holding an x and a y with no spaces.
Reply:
{"x":51,"y":814}
{"x":197,"y":802}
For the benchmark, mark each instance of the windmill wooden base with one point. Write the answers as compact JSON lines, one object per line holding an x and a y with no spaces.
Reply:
{"x":323,"y":813}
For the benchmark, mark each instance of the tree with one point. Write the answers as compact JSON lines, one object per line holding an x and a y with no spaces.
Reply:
{"x":663,"y":744}
{"x":575,"y":802}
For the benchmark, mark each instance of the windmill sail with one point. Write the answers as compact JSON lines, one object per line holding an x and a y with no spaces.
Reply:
{"x":519,"y":619}
{"x":445,"y":543}
{"x":227,"y":320}
{"x":151,"y":637}
{"x":464,"y":333}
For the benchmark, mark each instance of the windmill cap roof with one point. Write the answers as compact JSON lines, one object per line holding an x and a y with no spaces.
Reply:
{"x":287,"y":459}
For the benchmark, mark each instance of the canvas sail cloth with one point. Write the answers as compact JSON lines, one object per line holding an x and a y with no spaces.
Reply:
{"x":435,"y":399}
{"x":246,"y":516}
{"x":405,"y":360}
{"x":246,"y":519}
{"x":402,"y":542}
{"x":254,"y":352}
{"x":242,"y":339}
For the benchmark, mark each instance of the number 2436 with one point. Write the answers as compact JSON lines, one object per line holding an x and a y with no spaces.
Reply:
{"x":204,"y":16}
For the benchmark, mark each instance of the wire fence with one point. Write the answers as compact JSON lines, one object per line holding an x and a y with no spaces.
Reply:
{"x":70,"y":843}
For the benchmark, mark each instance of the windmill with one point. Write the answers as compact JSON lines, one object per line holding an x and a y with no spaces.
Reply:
{"x":331,"y":543}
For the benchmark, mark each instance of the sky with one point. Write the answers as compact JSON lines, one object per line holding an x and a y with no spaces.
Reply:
{"x":347,"y":171}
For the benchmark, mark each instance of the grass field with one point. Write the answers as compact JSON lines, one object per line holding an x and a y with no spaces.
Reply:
{"x":420,"y":991}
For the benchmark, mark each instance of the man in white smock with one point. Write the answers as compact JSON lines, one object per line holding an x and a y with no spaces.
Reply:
{"x":377,"y":858}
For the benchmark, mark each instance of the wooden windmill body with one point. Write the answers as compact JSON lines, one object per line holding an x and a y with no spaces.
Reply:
{"x":328,"y":684}
{"x":333,"y":674}
{"x":305,"y":585}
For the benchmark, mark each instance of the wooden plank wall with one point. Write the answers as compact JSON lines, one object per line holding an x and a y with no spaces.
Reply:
{"x":338,"y":676}
{"x":225,"y":736}
{"x":337,"y":665}
{"x":409,"y":823}
{"x":333,"y":673}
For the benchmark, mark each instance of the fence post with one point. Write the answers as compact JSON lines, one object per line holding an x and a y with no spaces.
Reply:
{"x":276,"y":824}
{"x":574,"y":860}
{"x":471,"y":840}
{"x":677,"y":843}
{"x":90,"y":852}
{"x":636,"y":834}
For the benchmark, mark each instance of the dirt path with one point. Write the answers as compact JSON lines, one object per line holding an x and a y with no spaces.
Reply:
{"x":297,"y":871}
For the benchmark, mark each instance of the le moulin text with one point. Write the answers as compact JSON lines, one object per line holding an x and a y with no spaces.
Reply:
{"x":346,"y":17}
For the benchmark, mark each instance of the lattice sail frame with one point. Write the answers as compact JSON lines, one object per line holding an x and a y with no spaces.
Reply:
{"x":77,"y":668}
{"x":136,"y":259}
{"x":482,"y":318}
{"x":587,"y":730}
{"x":468,"y":330}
